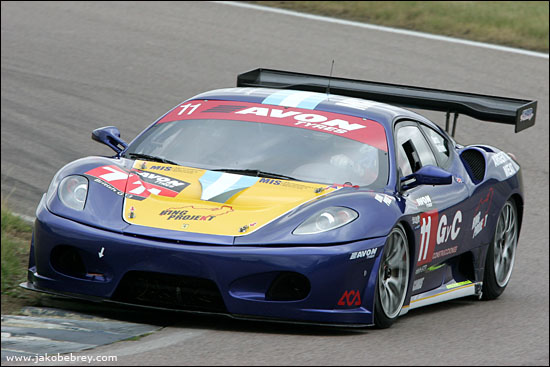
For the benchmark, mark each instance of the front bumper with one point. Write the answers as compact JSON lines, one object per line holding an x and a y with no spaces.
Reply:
{"x":341,"y":286}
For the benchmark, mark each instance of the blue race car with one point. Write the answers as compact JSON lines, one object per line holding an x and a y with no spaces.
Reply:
{"x":292,"y":197}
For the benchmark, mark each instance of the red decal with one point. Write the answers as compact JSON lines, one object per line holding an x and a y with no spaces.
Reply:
{"x":428,"y":233}
{"x":351,"y":127}
{"x":138,"y":183}
{"x":350,"y":298}
{"x":113,"y":175}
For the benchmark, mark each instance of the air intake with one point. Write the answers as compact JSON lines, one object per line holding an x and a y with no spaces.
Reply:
{"x":169,"y":291}
{"x":67,"y":260}
{"x":288,"y":286}
{"x":474,"y":161}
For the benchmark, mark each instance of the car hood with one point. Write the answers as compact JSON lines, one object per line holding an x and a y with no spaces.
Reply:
{"x":185,"y":199}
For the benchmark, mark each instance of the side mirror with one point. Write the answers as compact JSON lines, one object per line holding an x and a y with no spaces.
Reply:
{"x":427,"y":175}
{"x":110,"y":136}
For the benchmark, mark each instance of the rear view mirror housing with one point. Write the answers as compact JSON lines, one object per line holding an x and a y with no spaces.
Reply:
{"x":110,"y":136}
{"x":427,"y":175}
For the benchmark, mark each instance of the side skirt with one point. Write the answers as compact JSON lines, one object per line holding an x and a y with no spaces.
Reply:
{"x":445,"y":292}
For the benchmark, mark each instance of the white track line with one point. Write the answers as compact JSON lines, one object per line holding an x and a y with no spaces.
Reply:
{"x":385,"y":29}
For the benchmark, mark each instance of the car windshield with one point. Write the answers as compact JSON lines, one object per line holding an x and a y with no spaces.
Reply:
{"x":235,"y":145}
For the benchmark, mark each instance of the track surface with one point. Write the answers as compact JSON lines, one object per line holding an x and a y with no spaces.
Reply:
{"x":68,"y":68}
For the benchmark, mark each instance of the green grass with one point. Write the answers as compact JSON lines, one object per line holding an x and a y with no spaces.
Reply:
{"x":521,"y":24}
{"x":16,"y":236}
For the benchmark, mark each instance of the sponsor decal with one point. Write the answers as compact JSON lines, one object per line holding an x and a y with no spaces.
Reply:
{"x":500,"y":158}
{"x":446,"y":231}
{"x":527,"y":114}
{"x":420,"y":269}
{"x":418,"y":284}
{"x":482,"y":213}
{"x":445,"y":252}
{"x":192,"y":213}
{"x":383,"y":198}
{"x":161,"y":168}
{"x":424,"y":268}
{"x":428,"y":233}
{"x":101,"y":253}
{"x":508,"y":166}
{"x":436,"y":230}
{"x":112,"y":177}
{"x":160,"y":180}
{"x":369,"y":254}
{"x":458,"y":179}
{"x":350,"y":298}
{"x":270,"y":181}
{"x":509,"y":169}
{"x":136,"y":184}
{"x":108,"y":186}
{"x":356,"y":128}
{"x":312,"y":120}
{"x":459,"y":284}
{"x":424,"y":201}
{"x":478,"y":223}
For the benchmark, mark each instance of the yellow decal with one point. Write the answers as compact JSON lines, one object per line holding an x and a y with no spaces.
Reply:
{"x":237,"y":207}
{"x":454,"y":285}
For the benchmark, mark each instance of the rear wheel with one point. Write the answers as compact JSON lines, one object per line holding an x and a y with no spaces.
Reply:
{"x":393,"y":279}
{"x":502,"y":253}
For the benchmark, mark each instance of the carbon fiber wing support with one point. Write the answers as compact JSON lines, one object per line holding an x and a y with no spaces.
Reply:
{"x":518,"y":112}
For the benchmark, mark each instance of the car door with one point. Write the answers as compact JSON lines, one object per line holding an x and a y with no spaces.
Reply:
{"x":435,"y":209}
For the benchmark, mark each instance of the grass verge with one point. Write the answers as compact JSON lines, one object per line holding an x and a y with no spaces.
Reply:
{"x":521,"y":24}
{"x":16,"y":237}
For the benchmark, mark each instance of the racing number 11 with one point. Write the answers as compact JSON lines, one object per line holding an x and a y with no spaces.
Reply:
{"x":185,"y":106}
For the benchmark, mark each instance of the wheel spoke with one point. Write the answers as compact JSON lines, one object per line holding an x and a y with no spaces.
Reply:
{"x":393,"y":286}
{"x":497,"y":267}
{"x":395,"y":260}
{"x":387,"y":299}
{"x":506,"y":213}
{"x":505,"y":244}
{"x":501,"y":227}
{"x":510,"y":225}
{"x":393,"y":274}
{"x":394,"y":249}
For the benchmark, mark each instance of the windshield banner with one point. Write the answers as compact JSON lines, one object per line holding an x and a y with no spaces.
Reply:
{"x":351,"y":127}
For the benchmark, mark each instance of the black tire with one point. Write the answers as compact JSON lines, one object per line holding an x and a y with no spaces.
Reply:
{"x":501,"y":253}
{"x":393,"y":273}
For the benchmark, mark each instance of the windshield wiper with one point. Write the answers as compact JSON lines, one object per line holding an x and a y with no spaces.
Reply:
{"x":148,"y":157}
{"x":255,"y":172}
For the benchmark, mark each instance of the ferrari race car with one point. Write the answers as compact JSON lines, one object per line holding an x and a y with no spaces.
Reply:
{"x":292,"y":197}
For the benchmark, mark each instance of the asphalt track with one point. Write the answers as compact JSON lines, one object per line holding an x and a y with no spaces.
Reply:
{"x":70,"y":67}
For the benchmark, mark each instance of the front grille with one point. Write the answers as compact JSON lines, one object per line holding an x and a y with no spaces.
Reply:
{"x":169,"y":291}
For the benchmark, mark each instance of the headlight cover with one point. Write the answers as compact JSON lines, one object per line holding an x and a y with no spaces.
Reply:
{"x":326,"y":219}
{"x":72,"y":191}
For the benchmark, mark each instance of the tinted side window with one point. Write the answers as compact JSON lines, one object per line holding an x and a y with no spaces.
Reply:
{"x":440,"y":143}
{"x":413,"y":151}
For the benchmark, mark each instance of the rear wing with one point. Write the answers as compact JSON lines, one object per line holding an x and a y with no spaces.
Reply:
{"x":518,"y":112}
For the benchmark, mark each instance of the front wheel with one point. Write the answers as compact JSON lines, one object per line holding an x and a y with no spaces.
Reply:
{"x":501,"y":253}
{"x":393,"y":279}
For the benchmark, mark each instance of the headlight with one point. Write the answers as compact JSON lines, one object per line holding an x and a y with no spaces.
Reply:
{"x":72,"y":191}
{"x":326,"y":219}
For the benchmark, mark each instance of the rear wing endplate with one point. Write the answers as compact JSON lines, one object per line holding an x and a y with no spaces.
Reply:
{"x":518,"y":112}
